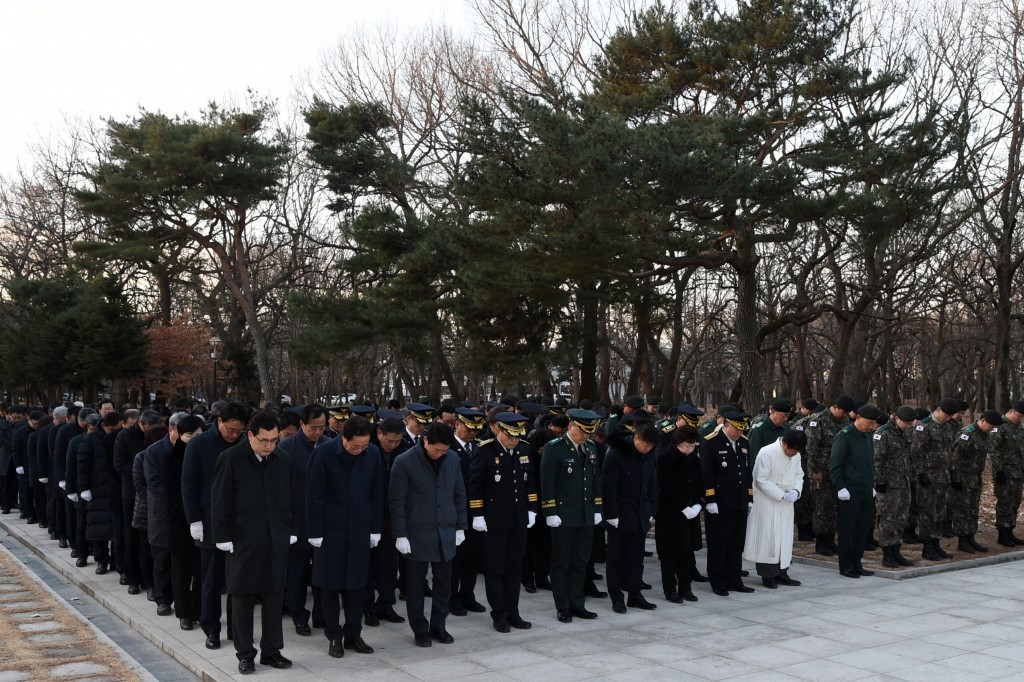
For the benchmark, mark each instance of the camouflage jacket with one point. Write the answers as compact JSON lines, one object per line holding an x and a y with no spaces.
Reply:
{"x":821,"y":430}
{"x":969,"y":452}
{"x":1004,"y":446}
{"x":892,"y":457}
{"x":931,"y":448}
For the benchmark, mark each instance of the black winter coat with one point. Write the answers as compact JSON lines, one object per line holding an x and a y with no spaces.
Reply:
{"x":140,"y":512}
{"x":300,"y":453}
{"x":96,"y":473}
{"x":156,"y":492}
{"x":60,"y":448}
{"x":129,"y":443}
{"x":628,"y":486}
{"x":197,"y":478}
{"x":179,"y":539}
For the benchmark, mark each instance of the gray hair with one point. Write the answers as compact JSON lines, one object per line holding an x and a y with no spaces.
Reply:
{"x":151,"y":418}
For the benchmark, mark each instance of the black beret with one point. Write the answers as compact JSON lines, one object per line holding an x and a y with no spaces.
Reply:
{"x":950,"y":406}
{"x":906,"y":413}
{"x":845,"y":403}
{"x":782,"y":405}
{"x":810,"y":404}
{"x":992,"y":417}
{"x":869,"y":411}
{"x":634,"y":402}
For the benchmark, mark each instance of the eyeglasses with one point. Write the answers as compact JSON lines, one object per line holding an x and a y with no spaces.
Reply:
{"x":267,"y":441}
{"x":234,"y":432}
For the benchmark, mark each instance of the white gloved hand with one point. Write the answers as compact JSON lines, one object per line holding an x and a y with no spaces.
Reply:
{"x":597,"y":518}
{"x":228,"y":547}
{"x":790,"y":496}
{"x":874,"y":492}
{"x":374,"y":540}
{"x":844,"y":494}
{"x":87,"y":495}
{"x":460,"y":537}
{"x":554,"y":521}
{"x":689,"y":513}
{"x":480,"y":524}
{"x":403,"y":546}
{"x":44,"y":480}
{"x":20,"y":471}
{"x":531,"y":518}
{"x":73,"y":497}
{"x":750,"y":507}
{"x":196,"y":531}
{"x":292,"y":539}
{"x":712,"y":508}
{"x":614,"y":523}
{"x":316,"y":542}
{"x":63,"y":485}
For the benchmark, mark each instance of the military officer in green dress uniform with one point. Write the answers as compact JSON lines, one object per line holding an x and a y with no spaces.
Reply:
{"x":771,"y":429}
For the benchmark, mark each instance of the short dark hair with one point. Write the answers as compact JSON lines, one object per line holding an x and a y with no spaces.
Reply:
{"x":391,"y":426}
{"x":288,"y":418}
{"x":311,"y":412}
{"x":238,"y":411}
{"x":795,"y":439}
{"x":561,"y":421}
{"x":439,"y":433}
{"x":646,"y":432}
{"x":356,"y":426}
{"x":261,"y":421}
{"x":112,"y":418}
{"x":685,"y":434}
{"x":446,"y":408}
{"x":35,"y":414}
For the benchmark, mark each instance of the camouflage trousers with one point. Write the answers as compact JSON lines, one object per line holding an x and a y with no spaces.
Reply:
{"x":891,"y":510}
{"x":932,"y":506}
{"x":912,"y":507}
{"x":965,"y":504}
{"x":825,"y":509}
{"x":803,"y":509}
{"x":1007,"y":502}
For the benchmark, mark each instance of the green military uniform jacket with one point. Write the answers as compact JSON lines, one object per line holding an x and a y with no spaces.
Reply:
{"x":570,"y":484}
{"x":852,"y":461}
{"x":892,"y":457}
{"x":1004,"y":447}
{"x":765,"y":433}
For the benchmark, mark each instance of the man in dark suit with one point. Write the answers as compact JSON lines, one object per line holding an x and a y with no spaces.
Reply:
{"x":427,"y":505}
{"x":380,"y":592}
{"x":252,"y":521}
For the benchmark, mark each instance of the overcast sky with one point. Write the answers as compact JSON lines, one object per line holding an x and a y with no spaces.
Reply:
{"x":106,"y":58}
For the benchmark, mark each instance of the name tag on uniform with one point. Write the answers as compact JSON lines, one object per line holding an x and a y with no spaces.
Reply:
{"x":525,"y":459}
{"x":920,"y":427}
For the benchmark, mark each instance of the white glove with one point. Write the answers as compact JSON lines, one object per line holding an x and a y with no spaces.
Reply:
{"x":460,"y":537}
{"x":196,"y":531}
{"x":750,"y":507}
{"x":374,"y":540}
{"x":844,"y":494}
{"x":480,"y":524}
{"x":292,"y":539}
{"x":63,"y":485}
{"x":712,"y":508}
{"x":790,"y":496}
{"x":402,"y":545}
{"x":614,"y":523}
{"x":554,"y":521}
{"x":874,"y":492}
{"x":316,"y":542}
{"x":597,"y":518}
{"x":87,"y":495}
{"x":44,"y":480}
{"x":689,"y":512}
{"x":228,"y":547}
{"x":73,"y":497}
{"x":20,"y":471}
{"x":531,"y":519}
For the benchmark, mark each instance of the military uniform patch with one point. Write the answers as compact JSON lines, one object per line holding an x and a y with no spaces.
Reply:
{"x":920,"y":427}
{"x":964,"y":436}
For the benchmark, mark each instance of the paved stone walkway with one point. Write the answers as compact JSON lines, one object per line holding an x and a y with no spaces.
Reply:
{"x":964,"y":626}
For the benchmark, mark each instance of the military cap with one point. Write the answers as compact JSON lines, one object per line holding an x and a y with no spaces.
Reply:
{"x":921,"y":413}
{"x":585,"y":419}
{"x":473,"y":419}
{"x":367,"y":411}
{"x":738,"y":419}
{"x":532,"y":407}
{"x":424,"y":414}
{"x":652,"y":400}
{"x":949,"y":406}
{"x":634,"y":402}
{"x":511,"y":423}
{"x":906,"y":413}
{"x":470,"y":405}
{"x":845,"y":403}
{"x":586,"y":404}
{"x":387,"y":413}
{"x":992,"y":417}
{"x":964,"y":405}
{"x":729,"y":407}
{"x":690,"y":413}
{"x":1017,"y":406}
{"x":628,"y":421}
{"x":810,"y":404}
{"x":601,"y":411}
{"x":869,"y":411}
{"x":339,"y":411}
{"x":782,"y":405}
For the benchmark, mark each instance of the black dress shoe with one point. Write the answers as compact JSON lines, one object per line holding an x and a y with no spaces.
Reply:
{"x":564,"y":616}
{"x":646,"y":553}
{"x":595,"y":593}
{"x":598,"y":576}
{"x":62,"y":543}
{"x":518,"y":623}
{"x":457,"y":610}
{"x":336,"y":649}
{"x":721,"y":592}
{"x":674,"y":598}
{"x":849,"y":573}
{"x":619,"y":606}
{"x":82,"y":561}
{"x":696,"y":577}
{"x":303,"y":630}
{"x":102,"y":569}
{"x":149,"y":594}
{"x":357,"y":645}
{"x":742,"y":588}
{"x":690,"y":596}
{"x":441,"y":636}
{"x":32,"y":521}
{"x":423,"y":640}
{"x":645,"y":586}
{"x":371,"y":619}
{"x":744,"y":573}
{"x":275,"y":661}
{"x":583,"y":613}
{"x":770,"y":583}
{"x":185,"y":623}
{"x":390,"y":616}
{"x":213,"y":642}
{"x":134,"y":589}
{"x":247,"y":666}
{"x":74,"y":554}
{"x":474,"y":606}
{"x":530,"y":586}
{"x":164,"y":610}
{"x":123,"y":580}
{"x":784,"y":579}
{"x":502,"y":626}
{"x":543,"y":584}
{"x":864,"y":571}
{"x":639,"y":602}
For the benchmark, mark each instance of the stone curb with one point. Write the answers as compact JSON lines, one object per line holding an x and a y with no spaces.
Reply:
{"x":921,"y":571}
{"x":191,"y":664}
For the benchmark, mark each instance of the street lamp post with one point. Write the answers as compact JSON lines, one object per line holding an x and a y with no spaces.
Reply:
{"x":215,"y":344}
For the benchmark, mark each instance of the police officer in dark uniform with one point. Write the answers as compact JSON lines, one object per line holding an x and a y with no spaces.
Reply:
{"x":571,"y":505}
{"x":468,"y":555}
{"x":503,"y":504}
{"x":336,"y":417}
{"x":728,"y":497}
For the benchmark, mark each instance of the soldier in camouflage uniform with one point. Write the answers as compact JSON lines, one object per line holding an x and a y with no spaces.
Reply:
{"x":803,"y":510}
{"x":931,"y":453}
{"x":969,"y":453}
{"x":821,"y":430}
{"x":893,"y":473}
{"x":1005,"y":449}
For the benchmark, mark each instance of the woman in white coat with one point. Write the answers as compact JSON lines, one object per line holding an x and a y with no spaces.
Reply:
{"x":778,"y":479}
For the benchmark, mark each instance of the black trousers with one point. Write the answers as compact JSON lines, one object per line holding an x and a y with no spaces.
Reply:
{"x":101,"y":550}
{"x":353,"y":602}
{"x":163,"y":590}
{"x":466,"y":566}
{"x":415,"y":577}
{"x":56,"y":518}
{"x":570,"y":552}
{"x":145,"y":558}
{"x":624,"y":566}
{"x":300,"y":565}
{"x":213,"y":587}
{"x":26,"y":501}
{"x":41,"y":502}
{"x":9,"y":488}
{"x":117,"y":539}
{"x":186,"y":576}
{"x":383,"y":576}
{"x":272,"y":634}
{"x":80,"y":543}
{"x":537,"y":557}
{"x":854,"y":524}
{"x":71,"y":519}
{"x":503,"y":561}
{"x":726,"y":532}
{"x":675,"y":553}
{"x":132,"y":547}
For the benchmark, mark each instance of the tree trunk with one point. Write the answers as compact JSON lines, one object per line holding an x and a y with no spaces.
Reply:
{"x":751,"y":387}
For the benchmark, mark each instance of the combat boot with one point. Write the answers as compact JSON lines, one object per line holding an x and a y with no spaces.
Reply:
{"x":947,"y":529}
{"x":964,"y":545}
{"x":975,"y":544}
{"x":805,"y":532}
{"x":900,"y":559}
{"x":929,"y":552}
{"x":821,"y":546}
{"x":888,"y":557}
{"x":910,"y":537}
{"x":831,"y":539}
{"x":1016,"y":540}
{"x":937,"y":546}
{"x":1004,"y":538}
